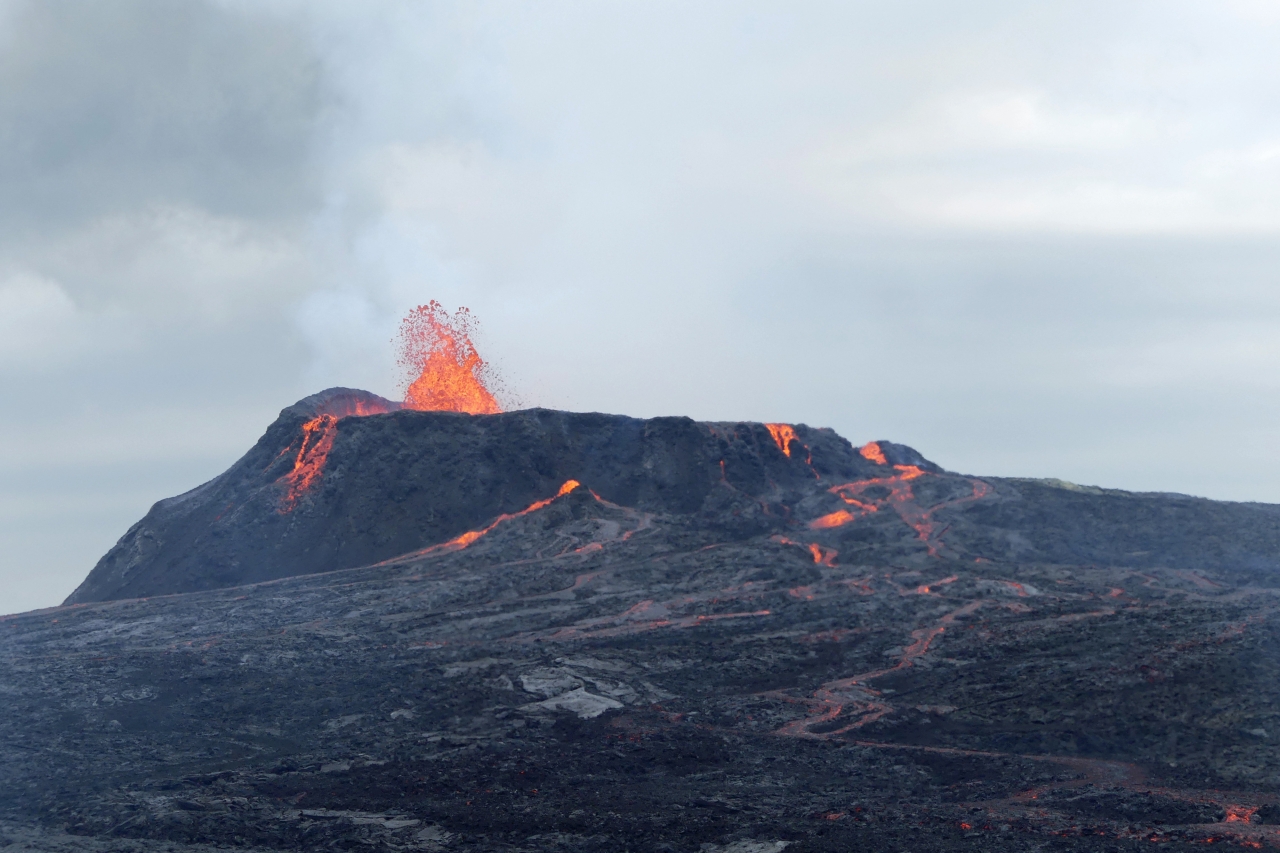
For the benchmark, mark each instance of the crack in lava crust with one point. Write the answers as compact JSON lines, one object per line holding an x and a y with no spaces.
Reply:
{"x":833,"y":699}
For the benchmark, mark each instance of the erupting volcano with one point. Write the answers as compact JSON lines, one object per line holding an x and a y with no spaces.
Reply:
{"x":443,"y":373}
{"x":395,"y":627}
{"x":447,"y":374}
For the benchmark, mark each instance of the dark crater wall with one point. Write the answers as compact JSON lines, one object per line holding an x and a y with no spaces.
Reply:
{"x":400,"y":481}
{"x":405,"y":480}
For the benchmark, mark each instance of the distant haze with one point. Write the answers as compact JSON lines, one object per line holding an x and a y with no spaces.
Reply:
{"x":1027,"y":239}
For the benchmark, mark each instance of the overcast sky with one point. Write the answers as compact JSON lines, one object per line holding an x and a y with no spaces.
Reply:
{"x":1029,"y":239}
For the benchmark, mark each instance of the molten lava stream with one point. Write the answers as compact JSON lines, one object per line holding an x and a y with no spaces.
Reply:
{"x":901,"y":497}
{"x":450,"y":375}
{"x":822,"y":556}
{"x":872,"y":453}
{"x":783,"y":435}
{"x":317,"y":440}
{"x":457,"y":543}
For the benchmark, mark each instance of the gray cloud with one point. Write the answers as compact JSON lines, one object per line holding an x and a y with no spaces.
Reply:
{"x":107,"y":107}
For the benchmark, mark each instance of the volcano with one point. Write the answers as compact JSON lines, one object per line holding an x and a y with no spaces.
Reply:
{"x":389,"y":628}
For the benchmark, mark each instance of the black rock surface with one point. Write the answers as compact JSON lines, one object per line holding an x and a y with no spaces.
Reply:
{"x":710,"y":645}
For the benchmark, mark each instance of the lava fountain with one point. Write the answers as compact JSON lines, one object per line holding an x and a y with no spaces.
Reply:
{"x":436,"y":348}
{"x":447,"y":375}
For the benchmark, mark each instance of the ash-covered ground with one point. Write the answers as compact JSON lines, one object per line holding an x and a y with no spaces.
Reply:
{"x":961,"y":663}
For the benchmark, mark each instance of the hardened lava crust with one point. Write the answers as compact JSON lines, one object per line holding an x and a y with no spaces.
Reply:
{"x":389,"y":630}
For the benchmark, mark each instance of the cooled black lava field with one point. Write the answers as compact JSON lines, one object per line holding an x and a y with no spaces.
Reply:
{"x":544,"y":631}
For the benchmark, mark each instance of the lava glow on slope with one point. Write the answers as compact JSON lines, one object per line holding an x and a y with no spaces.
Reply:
{"x":901,"y":498}
{"x":317,"y":440}
{"x":872,"y":453}
{"x":783,"y":435}
{"x":437,"y":349}
{"x":457,"y":543}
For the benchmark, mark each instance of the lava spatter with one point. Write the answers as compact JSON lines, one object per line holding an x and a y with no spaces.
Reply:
{"x":448,"y":375}
{"x":832,"y":519}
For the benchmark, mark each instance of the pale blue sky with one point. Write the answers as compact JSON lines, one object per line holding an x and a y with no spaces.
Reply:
{"x":1031,"y":239}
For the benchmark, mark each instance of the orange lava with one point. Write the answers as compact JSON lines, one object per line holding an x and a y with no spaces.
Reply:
{"x":1239,"y":814}
{"x":823,"y":556}
{"x":901,"y":498}
{"x":783,"y":435}
{"x":457,"y":543}
{"x":871,"y":452}
{"x":450,"y":375}
{"x":832,"y":519}
{"x":317,"y":440}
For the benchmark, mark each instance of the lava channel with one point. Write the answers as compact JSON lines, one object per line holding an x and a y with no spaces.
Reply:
{"x":783,"y":435}
{"x":901,"y":497}
{"x":317,"y":440}
{"x":457,"y":543}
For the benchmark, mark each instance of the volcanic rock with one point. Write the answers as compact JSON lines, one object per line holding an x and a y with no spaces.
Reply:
{"x":400,"y":630}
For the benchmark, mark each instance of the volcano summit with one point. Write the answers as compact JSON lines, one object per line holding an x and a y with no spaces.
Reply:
{"x":393,"y":629}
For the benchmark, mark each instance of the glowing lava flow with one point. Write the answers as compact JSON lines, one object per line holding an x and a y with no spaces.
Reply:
{"x":822,"y":556}
{"x":317,"y":440}
{"x":450,"y":375}
{"x":832,"y":519}
{"x":901,"y":497}
{"x":457,"y":543}
{"x":783,"y":435}
{"x":871,"y":452}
